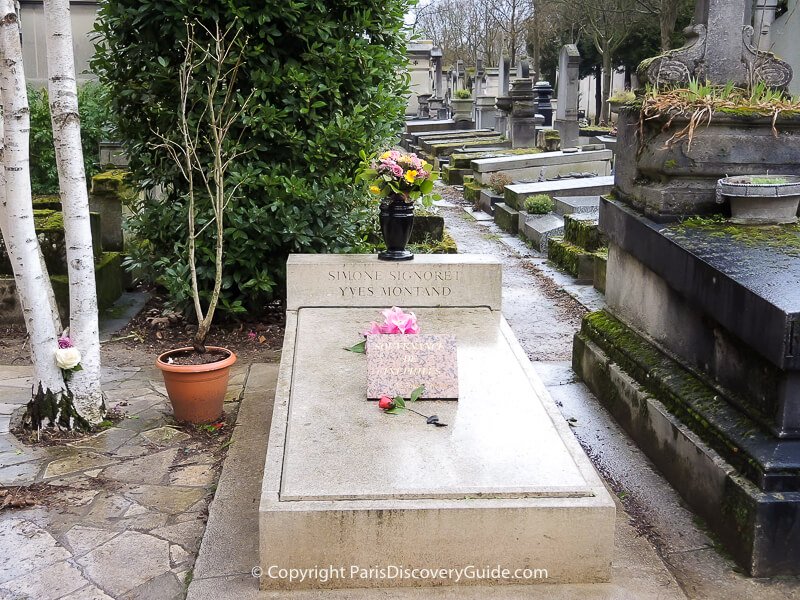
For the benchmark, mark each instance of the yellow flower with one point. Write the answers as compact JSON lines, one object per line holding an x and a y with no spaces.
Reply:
{"x":385,"y":155}
{"x":410,"y":176}
{"x":374,"y":189}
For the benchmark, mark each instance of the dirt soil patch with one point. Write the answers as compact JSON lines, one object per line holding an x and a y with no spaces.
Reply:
{"x":157,"y":329}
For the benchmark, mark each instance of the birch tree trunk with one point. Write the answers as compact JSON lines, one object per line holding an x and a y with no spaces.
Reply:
{"x":51,"y":400}
{"x":83,"y":314}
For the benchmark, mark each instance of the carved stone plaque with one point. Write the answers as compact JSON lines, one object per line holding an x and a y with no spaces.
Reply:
{"x":398,"y":364}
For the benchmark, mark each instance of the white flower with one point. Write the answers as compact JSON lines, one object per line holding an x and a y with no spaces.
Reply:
{"x":68,"y":358}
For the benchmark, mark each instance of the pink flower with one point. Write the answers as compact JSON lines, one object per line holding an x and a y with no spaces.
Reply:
{"x":400,"y":322}
{"x":395,"y":322}
{"x":64,"y":342}
{"x":251,"y":334}
{"x":374,"y":329}
{"x":397,"y":170}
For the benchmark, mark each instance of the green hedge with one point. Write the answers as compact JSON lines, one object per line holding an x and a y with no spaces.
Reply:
{"x":329,"y":80}
{"x":95,"y":112}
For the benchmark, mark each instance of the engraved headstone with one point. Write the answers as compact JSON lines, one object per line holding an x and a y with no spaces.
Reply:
{"x":398,"y":364}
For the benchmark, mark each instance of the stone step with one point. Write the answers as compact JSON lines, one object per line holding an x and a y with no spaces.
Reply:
{"x":546,"y":164}
{"x":516,"y":193}
{"x":571,"y":258}
{"x":506,"y":218}
{"x":568,"y":205}
{"x":538,"y":229}
{"x":488,"y":199}
{"x":583,"y":230}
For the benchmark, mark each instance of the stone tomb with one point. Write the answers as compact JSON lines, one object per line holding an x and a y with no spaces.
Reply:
{"x":346,"y":485}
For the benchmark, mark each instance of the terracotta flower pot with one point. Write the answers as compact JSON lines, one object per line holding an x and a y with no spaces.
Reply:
{"x":196,"y":391}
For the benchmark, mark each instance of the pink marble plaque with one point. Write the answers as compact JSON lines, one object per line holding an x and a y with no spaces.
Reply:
{"x":398,"y":364}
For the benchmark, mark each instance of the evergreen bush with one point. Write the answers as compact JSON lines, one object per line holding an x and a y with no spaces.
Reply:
{"x":540,"y":204}
{"x":329,"y":80}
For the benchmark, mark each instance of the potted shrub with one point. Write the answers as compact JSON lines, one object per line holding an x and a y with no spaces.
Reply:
{"x":761,"y":199}
{"x":462,"y":105}
{"x":196,"y":376}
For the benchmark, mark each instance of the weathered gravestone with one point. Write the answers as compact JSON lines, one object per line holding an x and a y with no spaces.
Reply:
{"x":720,"y":50}
{"x":346,"y":484}
{"x":566,"y":122}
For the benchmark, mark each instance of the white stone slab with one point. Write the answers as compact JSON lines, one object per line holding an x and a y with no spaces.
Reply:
{"x":509,"y":163}
{"x":587,"y":186}
{"x":363,"y":280}
{"x":346,"y":485}
{"x":464,"y":459}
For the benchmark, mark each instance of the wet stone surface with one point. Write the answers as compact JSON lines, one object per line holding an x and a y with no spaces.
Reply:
{"x":121,"y":513}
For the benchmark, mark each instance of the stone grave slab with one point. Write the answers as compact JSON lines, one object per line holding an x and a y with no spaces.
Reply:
{"x":550,"y":164}
{"x":538,"y":229}
{"x":516,"y":193}
{"x":429,"y":125}
{"x":568,"y":205}
{"x":349,"y":486}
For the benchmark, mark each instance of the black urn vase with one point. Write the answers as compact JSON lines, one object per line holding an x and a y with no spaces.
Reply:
{"x":397,"y":220}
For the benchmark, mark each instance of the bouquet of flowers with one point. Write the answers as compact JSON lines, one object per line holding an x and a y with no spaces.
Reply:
{"x":398,"y":174}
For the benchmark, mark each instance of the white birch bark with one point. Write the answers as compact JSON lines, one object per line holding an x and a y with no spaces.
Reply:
{"x":19,"y":231}
{"x":83,"y":314}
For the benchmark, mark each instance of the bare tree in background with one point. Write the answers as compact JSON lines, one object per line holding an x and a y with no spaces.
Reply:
{"x":471,"y":29}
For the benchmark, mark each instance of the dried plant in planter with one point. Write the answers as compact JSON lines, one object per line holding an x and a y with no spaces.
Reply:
{"x":698,"y":102}
{"x":498,"y":182}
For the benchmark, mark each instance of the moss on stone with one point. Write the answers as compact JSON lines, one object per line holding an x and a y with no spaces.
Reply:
{"x":110,"y":182}
{"x":453,"y":176}
{"x":48,"y":220}
{"x":686,"y":396}
{"x":447,"y":245}
{"x":552,"y":134}
{"x":780,"y":238}
{"x":584,"y":233}
{"x":50,"y":202}
{"x":564,"y":254}
{"x":472,"y":191}
{"x":506,"y":218}
{"x":428,"y":226}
